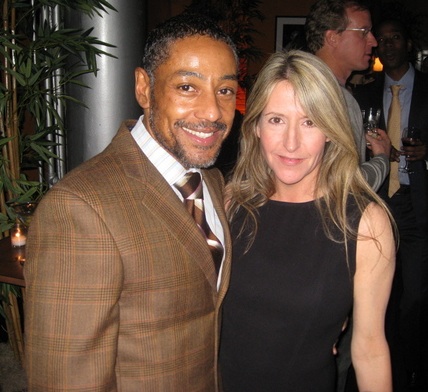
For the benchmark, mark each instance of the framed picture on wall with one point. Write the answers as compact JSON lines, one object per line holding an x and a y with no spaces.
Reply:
{"x":289,"y":29}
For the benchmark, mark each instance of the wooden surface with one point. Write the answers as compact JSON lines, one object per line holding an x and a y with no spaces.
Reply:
{"x":11,"y":260}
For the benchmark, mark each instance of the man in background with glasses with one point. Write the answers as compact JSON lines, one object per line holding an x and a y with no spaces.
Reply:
{"x":339,"y":33}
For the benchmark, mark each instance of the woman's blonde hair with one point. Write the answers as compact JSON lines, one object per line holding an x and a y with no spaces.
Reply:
{"x":321,"y":98}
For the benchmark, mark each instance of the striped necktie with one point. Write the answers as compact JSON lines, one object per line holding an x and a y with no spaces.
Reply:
{"x":190,"y":187}
{"x":394,"y":133}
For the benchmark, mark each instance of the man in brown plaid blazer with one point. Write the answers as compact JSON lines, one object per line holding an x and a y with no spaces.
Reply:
{"x":122,"y":292}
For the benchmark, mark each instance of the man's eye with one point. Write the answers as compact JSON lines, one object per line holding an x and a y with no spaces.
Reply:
{"x":395,"y":37}
{"x":186,"y":87}
{"x":227,"y":91}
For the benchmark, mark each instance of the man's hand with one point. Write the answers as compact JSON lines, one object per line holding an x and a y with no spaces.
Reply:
{"x":378,"y":142}
{"x":416,"y":152}
{"x":394,"y":156}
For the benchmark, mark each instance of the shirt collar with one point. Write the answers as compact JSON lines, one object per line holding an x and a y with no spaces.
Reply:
{"x":165,"y":163}
{"x":406,"y":81}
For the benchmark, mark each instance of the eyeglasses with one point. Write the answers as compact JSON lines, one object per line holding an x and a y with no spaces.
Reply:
{"x":365,"y":31}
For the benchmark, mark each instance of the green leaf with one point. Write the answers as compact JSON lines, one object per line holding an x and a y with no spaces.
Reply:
{"x":20,"y":78}
{"x":41,"y":62}
{"x":4,"y":140}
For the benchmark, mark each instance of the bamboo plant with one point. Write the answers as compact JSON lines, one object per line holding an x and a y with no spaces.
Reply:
{"x":39,"y":59}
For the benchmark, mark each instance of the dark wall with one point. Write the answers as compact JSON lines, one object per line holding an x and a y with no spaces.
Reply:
{"x":159,"y":10}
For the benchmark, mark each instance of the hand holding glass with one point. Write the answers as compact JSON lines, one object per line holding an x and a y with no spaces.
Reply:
{"x":411,"y":136}
{"x":371,"y":119}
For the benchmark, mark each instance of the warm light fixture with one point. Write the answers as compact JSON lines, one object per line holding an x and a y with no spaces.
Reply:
{"x":377,"y":65}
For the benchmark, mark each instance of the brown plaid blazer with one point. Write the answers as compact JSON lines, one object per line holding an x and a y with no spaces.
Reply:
{"x":121,"y":288}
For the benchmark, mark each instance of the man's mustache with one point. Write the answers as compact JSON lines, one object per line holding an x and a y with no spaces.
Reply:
{"x":201,"y":126}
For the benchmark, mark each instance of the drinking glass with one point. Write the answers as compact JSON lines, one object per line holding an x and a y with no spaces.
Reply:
{"x":411,"y":135}
{"x":24,"y":211}
{"x":371,"y":119}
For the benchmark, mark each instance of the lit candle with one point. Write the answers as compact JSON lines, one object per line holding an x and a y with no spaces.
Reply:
{"x":18,"y":236}
{"x":19,"y":254}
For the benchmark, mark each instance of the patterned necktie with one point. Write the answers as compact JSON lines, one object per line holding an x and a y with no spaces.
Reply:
{"x":190,"y":187}
{"x":394,"y":133}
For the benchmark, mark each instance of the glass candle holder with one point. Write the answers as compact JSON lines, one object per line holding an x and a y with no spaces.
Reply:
{"x":24,"y":211}
{"x":18,"y":235}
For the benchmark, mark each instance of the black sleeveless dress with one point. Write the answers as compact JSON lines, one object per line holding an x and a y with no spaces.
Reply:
{"x":287,"y":301}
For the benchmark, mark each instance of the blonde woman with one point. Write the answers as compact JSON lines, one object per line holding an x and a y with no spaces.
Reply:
{"x":312,"y":241}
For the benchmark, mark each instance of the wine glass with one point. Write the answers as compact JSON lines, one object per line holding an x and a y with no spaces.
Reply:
{"x":411,"y":135}
{"x":371,"y":119}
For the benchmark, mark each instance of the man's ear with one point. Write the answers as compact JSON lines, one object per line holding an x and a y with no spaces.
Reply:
{"x":331,"y":37}
{"x":142,"y":88}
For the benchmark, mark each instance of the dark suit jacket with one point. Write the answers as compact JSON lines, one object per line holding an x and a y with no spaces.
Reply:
{"x":371,"y":95}
{"x":121,"y":286}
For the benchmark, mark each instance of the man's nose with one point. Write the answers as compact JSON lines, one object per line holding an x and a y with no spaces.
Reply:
{"x":208,"y":107}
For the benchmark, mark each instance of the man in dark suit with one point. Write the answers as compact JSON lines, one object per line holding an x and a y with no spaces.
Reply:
{"x":407,"y":327}
{"x":122,"y":290}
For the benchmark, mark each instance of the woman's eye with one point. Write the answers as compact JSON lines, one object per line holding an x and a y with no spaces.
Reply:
{"x":309,"y":123}
{"x":275,"y":120}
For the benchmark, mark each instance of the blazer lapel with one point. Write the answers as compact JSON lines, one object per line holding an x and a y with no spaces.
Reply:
{"x":218,"y":202}
{"x":161,"y":200}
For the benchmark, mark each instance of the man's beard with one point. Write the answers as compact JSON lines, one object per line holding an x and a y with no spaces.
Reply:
{"x":174,"y":147}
